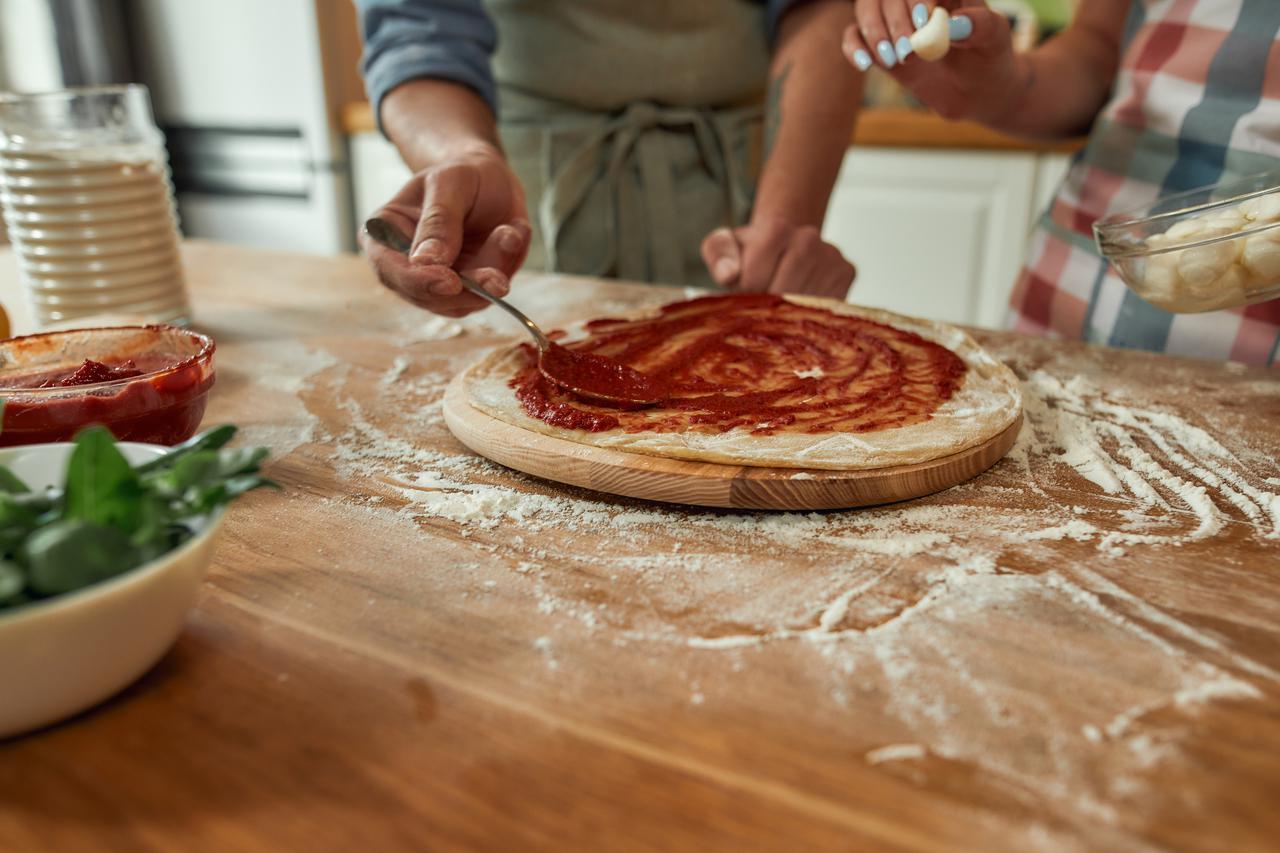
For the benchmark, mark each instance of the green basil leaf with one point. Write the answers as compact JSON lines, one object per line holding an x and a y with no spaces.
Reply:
{"x":11,"y":482}
{"x":186,"y":472}
{"x":172,"y":536}
{"x":74,"y":553}
{"x":198,"y":473}
{"x":12,"y":580}
{"x":214,"y":439}
{"x":16,"y":513}
{"x":101,"y":485}
{"x":242,"y":460}
{"x":208,"y":498}
{"x":40,"y":503}
{"x":110,"y":517}
{"x":154,"y":515}
{"x":208,"y":467}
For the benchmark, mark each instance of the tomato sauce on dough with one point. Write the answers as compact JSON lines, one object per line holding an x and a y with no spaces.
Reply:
{"x":594,"y":375}
{"x":754,"y":361}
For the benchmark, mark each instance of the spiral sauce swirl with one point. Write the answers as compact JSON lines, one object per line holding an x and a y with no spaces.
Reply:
{"x":759,"y":362}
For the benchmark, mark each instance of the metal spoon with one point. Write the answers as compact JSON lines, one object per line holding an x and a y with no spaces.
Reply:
{"x":585,"y":374}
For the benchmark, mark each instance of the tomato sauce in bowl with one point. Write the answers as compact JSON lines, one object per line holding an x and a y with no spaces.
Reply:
{"x":144,"y":383}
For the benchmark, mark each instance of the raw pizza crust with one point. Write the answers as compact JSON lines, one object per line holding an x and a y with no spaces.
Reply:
{"x":987,"y":403}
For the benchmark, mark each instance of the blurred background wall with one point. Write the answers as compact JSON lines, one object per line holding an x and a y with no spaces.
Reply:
{"x":248,"y":92}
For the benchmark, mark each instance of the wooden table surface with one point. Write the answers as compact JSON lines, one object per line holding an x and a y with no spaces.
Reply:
{"x":412,"y":648}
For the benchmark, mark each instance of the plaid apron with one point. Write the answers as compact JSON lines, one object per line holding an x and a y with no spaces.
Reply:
{"x":1196,"y":101}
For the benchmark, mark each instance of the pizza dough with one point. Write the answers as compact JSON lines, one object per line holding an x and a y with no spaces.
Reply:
{"x":986,"y":401}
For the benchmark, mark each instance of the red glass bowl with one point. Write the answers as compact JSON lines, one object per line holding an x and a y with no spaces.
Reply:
{"x":162,"y":406}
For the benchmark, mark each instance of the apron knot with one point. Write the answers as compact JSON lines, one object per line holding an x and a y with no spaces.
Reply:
{"x":642,"y":114}
{"x":639,"y":145}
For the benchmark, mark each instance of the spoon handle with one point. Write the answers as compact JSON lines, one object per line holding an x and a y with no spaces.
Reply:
{"x":474,"y":286}
{"x":391,"y":237}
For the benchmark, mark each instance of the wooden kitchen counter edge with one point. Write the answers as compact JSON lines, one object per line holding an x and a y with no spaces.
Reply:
{"x":878,"y":127}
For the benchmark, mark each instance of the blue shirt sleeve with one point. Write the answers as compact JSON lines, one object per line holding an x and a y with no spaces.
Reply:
{"x":444,"y":39}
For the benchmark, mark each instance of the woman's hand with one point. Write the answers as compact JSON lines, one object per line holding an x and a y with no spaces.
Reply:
{"x":467,"y":214}
{"x":773,"y":256}
{"x":979,"y":79}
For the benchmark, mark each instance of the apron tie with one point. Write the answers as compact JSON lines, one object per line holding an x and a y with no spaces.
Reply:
{"x":642,"y":236}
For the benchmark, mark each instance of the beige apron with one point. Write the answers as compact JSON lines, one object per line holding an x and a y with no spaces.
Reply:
{"x":634,"y":126}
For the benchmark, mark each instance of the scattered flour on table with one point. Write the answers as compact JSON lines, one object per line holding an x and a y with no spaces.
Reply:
{"x":896,"y":752}
{"x":892,"y":608}
{"x":546,"y":647}
{"x":394,"y":374}
{"x":288,"y":368}
{"x":1112,"y":446}
{"x":432,"y":329}
{"x":285,"y":365}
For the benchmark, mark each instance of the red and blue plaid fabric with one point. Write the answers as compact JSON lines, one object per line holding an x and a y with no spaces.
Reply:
{"x":1196,"y":101}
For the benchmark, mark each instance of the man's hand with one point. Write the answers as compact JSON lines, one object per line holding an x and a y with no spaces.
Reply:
{"x":467,"y":214}
{"x":812,"y":98}
{"x":773,"y":256}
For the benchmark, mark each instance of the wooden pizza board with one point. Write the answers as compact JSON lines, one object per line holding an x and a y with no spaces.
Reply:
{"x":677,"y":481}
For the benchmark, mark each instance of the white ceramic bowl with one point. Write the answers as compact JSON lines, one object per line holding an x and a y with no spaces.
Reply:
{"x":68,"y":653}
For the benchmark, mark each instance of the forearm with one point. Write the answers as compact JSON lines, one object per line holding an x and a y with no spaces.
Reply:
{"x":426,"y":67}
{"x":431,"y":121}
{"x":1059,"y":88}
{"x":807,"y":130}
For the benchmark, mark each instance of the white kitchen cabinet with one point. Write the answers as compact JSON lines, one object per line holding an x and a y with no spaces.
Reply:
{"x":377,"y":172}
{"x":934,"y":233}
{"x":937,"y":233}
{"x":1050,"y":170}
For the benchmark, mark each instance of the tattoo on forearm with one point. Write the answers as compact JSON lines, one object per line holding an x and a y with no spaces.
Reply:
{"x":773,"y":109}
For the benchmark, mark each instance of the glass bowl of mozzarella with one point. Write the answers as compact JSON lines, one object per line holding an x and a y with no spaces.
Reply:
{"x":1202,"y":250}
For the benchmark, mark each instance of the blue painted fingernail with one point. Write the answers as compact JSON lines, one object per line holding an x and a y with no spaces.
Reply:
{"x":961,"y":27}
{"x":887,"y":57}
{"x":919,"y":15}
{"x":862,"y":59}
{"x":903,"y":47}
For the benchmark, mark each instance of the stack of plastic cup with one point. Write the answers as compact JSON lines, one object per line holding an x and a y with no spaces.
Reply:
{"x":88,"y":203}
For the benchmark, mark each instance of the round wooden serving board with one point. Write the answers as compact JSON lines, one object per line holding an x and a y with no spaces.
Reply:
{"x":655,"y":478}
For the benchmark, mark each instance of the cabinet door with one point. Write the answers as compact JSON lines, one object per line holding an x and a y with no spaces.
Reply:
{"x":934,"y":233}
{"x":1050,"y":170}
